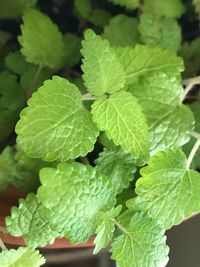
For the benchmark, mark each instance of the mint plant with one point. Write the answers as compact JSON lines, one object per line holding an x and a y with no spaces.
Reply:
{"x":107,"y":126}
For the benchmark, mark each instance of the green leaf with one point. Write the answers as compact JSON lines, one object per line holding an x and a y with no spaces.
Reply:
{"x":19,"y":170}
{"x":72,"y":46}
{"x":190,"y":54}
{"x":31,"y":221}
{"x":122,"y":31}
{"x":105,"y":228}
{"x":160,"y":97}
{"x":160,"y":31}
{"x":167,"y":190}
{"x":130,"y":4}
{"x":10,"y":103}
{"x":195,"y":107}
{"x":21,"y":257}
{"x":169,"y":8}
{"x":99,"y":17}
{"x":141,"y":60}
{"x":78,"y":193}
{"x":16,"y":62}
{"x":83,"y":7}
{"x":113,"y":114}
{"x":11,"y":9}
{"x":55,"y":125}
{"x":48,"y":51}
{"x":142,"y":243}
{"x":27,"y":77}
{"x":102,"y":71}
{"x":118,"y":166}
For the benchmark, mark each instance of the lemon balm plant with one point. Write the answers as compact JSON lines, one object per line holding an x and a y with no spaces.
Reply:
{"x":111,"y":150}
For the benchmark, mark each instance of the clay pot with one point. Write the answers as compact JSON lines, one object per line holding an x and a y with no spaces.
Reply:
{"x":9,"y":198}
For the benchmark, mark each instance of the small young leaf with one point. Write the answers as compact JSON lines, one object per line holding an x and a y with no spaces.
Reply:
{"x":160,"y":97}
{"x":122,"y":31}
{"x":41,"y":40}
{"x":102,"y":71}
{"x":142,"y":243}
{"x":78,"y":193}
{"x":167,"y":190}
{"x":99,"y":17}
{"x":130,"y":4}
{"x":169,"y":8}
{"x":118,"y":165}
{"x":55,"y":126}
{"x":160,"y":31}
{"x":141,"y":60}
{"x":113,"y":114}
{"x":21,"y":257}
{"x":32,"y":221}
{"x":105,"y":228}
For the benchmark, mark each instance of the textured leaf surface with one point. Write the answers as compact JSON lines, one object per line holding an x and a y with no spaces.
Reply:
{"x":78,"y":193}
{"x":130,"y":4}
{"x":32,"y":221}
{"x":160,"y":98}
{"x":118,"y":165}
{"x":141,"y":244}
{"x":102,"y":71}
{"x":167,"y":190}
{"x":160,"y":31}
{"x":55,"y":126}
{"x":121,"y":117}
{"x":141,"y":60}
{"x":195,"y":107}
{"x":21,"y":257}
{"x":169,"y":8}
{"x":105,"y":228}
{"x":41,"y":40}
{"x":122,"y":31}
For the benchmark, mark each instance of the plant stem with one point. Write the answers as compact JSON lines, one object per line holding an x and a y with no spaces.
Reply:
{"x":89,"y":97}
{"x":119,"y":225}
{"x":2,"y":246}
{"x":35,"y":78}
{"x":190,"y":83}
{"x":193,"y":152}
{"x":195,"y":135}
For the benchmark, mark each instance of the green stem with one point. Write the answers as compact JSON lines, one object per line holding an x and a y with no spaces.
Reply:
{"x":121,"y":227}
{"x":32,"y":85}
{"x":2,"y":246}
{"x":89,"y":97}
{"x":193,"y":152}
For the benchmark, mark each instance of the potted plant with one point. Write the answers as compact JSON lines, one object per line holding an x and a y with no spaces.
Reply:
{"x":106,"y":150}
